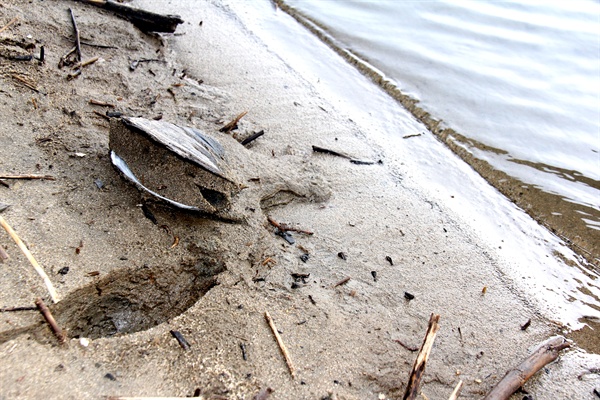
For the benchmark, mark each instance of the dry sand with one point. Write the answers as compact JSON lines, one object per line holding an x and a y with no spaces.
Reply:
{"x":125,"y":275}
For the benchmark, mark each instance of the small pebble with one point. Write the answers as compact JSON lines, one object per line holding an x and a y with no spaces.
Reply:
{"x":84,"y":342}
{"x":409,"y":296}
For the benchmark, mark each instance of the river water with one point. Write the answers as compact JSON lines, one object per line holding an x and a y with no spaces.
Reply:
{"x":518,"y":83}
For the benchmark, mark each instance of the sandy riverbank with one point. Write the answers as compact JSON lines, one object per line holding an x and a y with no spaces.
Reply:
{"x":343,"y":340}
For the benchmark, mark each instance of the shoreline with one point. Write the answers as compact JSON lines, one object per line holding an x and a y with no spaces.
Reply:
{"x":564,"y":220}
{"x":342,"y":339}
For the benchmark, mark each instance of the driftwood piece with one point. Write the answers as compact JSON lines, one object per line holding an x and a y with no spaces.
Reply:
{"x":146,"y":21}
{"x":515,"y":378}
{"x":60,"y":335}
{"x":282,"y":347}
{"x":414,"y":381}
{"x":43,"y":177}
{"x":32,"y":260}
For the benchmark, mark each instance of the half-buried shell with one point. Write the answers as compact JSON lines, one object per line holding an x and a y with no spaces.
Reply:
{"x":178,"y":165}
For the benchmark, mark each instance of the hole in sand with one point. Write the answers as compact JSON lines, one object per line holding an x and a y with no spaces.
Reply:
{"x":129,"y":300}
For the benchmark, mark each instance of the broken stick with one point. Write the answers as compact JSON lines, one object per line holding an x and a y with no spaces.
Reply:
{"x":77,"y":40}
{"x":47,"y":177}
{"x":233,"y":124}
{"x":32,"y":260}
{"x":456,"y":392}
{"x":12,"y":21}
{"x":546,"y":353}
{"x":282,"y":347}
{"x":414,"y":381}
{"x":146,"y":21}
{"x":285,"y":228}
{"x":60,"y":335}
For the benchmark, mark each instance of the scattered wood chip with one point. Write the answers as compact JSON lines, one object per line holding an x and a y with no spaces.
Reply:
{"x":60,"y":335}
{"x":233,"y":124}
{"x":418,"y":369}
{"x":282,"y":347}
{"x":34,"y":263}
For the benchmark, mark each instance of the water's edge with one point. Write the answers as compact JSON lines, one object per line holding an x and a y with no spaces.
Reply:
{"x":564,"y":221}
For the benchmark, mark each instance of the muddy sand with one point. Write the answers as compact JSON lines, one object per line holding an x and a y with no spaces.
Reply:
{"x":129,"y":270}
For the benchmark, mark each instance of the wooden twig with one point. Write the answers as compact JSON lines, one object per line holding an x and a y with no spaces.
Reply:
{"x":546,"y":353}
{"x":15,"y":309}
{"x":282,"y":347}
{"x":28,"y":176}
{"x":106,"y":117}
{"x":342,"y":282}
{"x":32,"y":260}
{"x":85,"y":63}
{"x":77,"y":39}
{"x":145,"y":20}
{"x":27,"y":83}
{"x":407,"y":347}
{"x":181,"y":340}
{"x":318,"y":149}
{"x":285,"y":228}
{"x":144,"y":398}
{"x":12,"y":21}
{"x":456,"y":392}
{"x":233,"y":124}
{"x":252,"y":137}
{"x":63,"y":60}
{"x":101,"y":103}
{"x":418,"y":369}
{"x":60,"y":335}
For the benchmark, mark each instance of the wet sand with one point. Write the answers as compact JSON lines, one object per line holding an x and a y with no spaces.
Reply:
{"x":129,"y":283}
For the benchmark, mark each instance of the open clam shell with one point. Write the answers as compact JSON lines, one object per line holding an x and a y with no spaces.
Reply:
{"x":178,"y":165}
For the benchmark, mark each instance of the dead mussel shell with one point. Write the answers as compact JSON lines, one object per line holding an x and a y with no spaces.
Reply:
{"x":180,"y":166}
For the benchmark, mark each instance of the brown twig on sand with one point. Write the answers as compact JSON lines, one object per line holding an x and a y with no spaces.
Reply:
{"x":515,"y":378}
{"x":32,"y":260}
{"x":26,"y":83}
{"x":407,"y":347}
{"x":60,"y":335}
{"x":28,"y":176}
{"x":15,"y":309}
{"x":342,"y":282}
{"x":285,"y":228}
{"x":282,"y":347}
{"x":85,"y":63}
{"x":456,"y":392}
{"x":101,"y":103}
{"x":77,"y":39}
{"x":12,"y":21}
{"x":233,"y":124}
{"x":106,"y":117}
{"x":414,"y":381}
{"x":63,"y":60}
